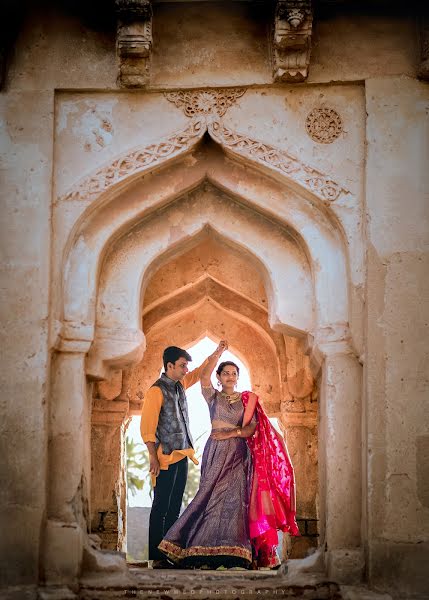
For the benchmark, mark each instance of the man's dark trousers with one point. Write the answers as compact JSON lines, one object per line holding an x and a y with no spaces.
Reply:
{"x":167,"y":500}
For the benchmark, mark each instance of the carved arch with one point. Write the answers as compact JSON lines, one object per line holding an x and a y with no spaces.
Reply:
{"x":135,"y":256}
{"x":134,"y":163}
{"x":117,"y":202}
{"x":92,"y":235}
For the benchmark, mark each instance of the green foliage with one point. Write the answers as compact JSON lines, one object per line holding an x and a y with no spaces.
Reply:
{"x":194,"y":475}
{"x":192,"y":483}
{"x":138,"y":475}
{"x":137,"y":467}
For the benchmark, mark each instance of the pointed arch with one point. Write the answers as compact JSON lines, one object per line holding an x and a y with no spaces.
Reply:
{"x":96,"y":231}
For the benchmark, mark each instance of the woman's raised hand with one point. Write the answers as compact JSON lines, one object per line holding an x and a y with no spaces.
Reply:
{"x":211,"y":363}
{"x":223,"y":345}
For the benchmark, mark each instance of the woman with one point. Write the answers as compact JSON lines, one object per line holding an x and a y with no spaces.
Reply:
{"x":214,"y":529}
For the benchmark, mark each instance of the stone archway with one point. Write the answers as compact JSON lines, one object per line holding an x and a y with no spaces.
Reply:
{"x":105,"y":263}
{"x":209,"y":288}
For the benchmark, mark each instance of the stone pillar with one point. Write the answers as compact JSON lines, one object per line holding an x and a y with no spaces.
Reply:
{"x":68,"y":475}
{"x":68,"y":550}
{"x":341,"y":468}
{"x":108,"y":483}
{"x":299,"y":411}
{"x":300,"y":433}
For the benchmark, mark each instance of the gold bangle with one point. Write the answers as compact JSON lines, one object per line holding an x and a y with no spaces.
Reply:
{"x":238,"y":432}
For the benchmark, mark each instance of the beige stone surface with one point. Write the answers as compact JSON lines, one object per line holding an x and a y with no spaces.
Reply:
{"x":196,"y":55}
{"x":85,"y":226}
{"x":360,"y":46}
{"x":56,"y":50}
{"x":198,"y":44}
{"x":212,"y":258}
{"x":26,"y":142}
{"x":397,"y":318}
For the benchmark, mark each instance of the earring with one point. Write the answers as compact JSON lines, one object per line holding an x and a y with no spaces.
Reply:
{"x":219,"y":385}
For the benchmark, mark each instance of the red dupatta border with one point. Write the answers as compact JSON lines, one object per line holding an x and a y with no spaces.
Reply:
{"x":272,"y":498}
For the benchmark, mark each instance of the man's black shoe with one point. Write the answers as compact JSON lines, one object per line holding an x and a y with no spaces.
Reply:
{"x":163,"y":564}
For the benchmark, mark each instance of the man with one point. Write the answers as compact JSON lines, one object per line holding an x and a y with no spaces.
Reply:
{"x":165,"y":431}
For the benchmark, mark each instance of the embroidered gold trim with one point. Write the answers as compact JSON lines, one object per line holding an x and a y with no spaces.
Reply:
{"x":175,"y":552}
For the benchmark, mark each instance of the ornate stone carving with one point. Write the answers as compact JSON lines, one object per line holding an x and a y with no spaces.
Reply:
{"x":424,"y":48}
{"x":293,"y":23}
{"x":134,"y":41}
{"x":324,"y":125}
{"x":205,"y":102}
{"x":280,"y":160}
{"x":136,"y":161}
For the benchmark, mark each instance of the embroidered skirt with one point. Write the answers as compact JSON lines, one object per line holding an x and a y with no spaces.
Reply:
{"x":213,"y":531}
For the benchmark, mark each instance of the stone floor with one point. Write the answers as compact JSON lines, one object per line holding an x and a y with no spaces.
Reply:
{"x":171,"y":584}
{"x":220,"y":585}
{"x":223,"y":585}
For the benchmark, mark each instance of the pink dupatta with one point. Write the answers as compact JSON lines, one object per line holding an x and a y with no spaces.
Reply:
{"x":272,"y":498}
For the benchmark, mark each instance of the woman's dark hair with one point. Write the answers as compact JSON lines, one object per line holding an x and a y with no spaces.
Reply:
{"x":173,"y":353}
{"x":226,"y":364}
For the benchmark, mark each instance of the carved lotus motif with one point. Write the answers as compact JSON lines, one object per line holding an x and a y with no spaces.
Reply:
{"x":205,"y":102}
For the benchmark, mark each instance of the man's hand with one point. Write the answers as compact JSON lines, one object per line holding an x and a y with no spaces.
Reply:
{"x":223,"y":345}
{"x":154,"y":465}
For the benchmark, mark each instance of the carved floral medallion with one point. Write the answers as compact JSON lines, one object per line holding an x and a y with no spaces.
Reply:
{"x":205,"y":102}
{"x":324,"y":125}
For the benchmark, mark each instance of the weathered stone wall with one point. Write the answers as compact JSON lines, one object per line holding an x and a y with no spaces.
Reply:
{"x":397,"y":419}
{"x":70,"y":133}
{"x":27,"y":146}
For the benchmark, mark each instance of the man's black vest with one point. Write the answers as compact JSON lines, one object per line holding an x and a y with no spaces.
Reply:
{"x":173,"y":424}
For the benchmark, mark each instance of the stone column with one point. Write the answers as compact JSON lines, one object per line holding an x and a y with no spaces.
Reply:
{"x":108,"y":484}
{"x":341,"y":461}
{"x":68,"y":550}
{"x":299,"y":410}
{"x":69,"y":465}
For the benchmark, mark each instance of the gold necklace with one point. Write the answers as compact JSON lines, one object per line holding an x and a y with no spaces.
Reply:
{"x":231,"y":397}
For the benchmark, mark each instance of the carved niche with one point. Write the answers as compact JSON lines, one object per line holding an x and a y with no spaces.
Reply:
{"x":293,"y":23}
{"x":134,"y":42}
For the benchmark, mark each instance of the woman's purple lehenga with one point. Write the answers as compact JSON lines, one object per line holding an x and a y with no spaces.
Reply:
{"x":213,"y":531}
